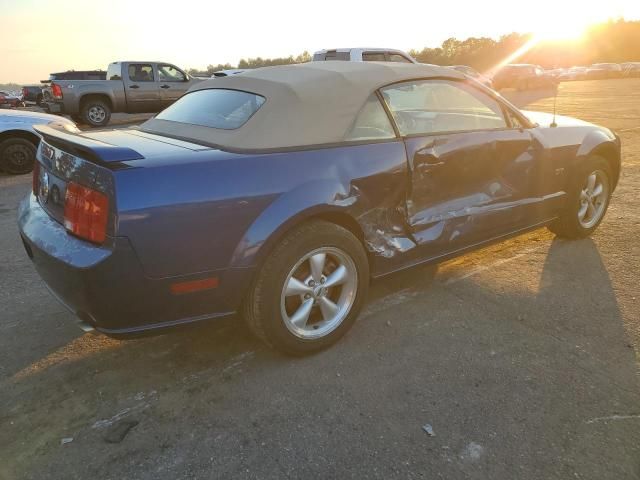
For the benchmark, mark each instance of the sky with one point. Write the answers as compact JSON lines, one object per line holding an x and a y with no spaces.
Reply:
{"x":39,"y":36}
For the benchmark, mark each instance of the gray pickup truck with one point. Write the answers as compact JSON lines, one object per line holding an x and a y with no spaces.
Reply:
{"x":130,"y":87}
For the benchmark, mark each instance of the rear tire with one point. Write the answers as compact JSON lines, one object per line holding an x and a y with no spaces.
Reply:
{"x":17,"y":156}
{"x":588,"y":200}
{"x":309,"y":291}
{"x":95,"y":112}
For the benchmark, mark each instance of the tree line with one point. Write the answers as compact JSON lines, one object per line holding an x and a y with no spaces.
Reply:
{"x":613,"y":41}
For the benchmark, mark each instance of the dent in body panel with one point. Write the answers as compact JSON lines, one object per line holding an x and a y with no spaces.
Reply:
{"x":469,"y":186}
{"x":384,"y":228}
{"x":367,"y":183}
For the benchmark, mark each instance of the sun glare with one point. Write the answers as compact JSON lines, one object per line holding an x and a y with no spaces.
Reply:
{"x":560,"y":31}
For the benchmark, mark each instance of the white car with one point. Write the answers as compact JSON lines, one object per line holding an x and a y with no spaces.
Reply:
{"x":364,"y":55}
{"x":19,"y":141}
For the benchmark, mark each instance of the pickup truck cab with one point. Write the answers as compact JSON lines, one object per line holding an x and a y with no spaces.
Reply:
{"x":364,"y":55}
{"x":130,"y":87}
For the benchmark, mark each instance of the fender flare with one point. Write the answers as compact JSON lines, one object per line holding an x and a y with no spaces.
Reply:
{"x":604,"y":143}
{"x":289,"y":209}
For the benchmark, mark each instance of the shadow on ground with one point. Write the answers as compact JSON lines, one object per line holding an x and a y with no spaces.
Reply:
{"x":513,"y":372}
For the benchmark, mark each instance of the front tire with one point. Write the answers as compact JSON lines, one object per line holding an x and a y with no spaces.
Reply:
{"x":309,"y":291}
{"x":17,"y":156}
{"x":587,"y":202}
{"x":95,"y":112}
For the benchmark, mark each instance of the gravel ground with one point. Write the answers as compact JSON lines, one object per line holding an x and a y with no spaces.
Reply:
{"x":520,"y":357}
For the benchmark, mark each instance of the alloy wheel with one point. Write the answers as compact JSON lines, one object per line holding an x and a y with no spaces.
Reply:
{"x":593,"y":199}
{"x":319,"y":292}
{"x":96,"y":114}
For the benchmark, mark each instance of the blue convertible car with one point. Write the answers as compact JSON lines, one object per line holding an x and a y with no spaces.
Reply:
{"x":279,"y":193}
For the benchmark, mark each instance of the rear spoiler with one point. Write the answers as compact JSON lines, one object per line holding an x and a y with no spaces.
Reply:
{"x":83,"y":147}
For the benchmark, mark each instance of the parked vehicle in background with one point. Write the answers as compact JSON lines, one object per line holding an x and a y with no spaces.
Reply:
{"x":226,"y":73}
{"x":78,"y":75}
{"x":522,"y":77}
{"x":573,"y":73}
{"x":364,"y":55}
{"x":18,"y":139}
{"x":555,"y":72}
{"x":471,"y":72}
{"x":130,"y":87}
{"x":69,"y":75}
{"x":10,"y":100}
{"x":280,"y":192}
{"x":630,"y":69}
{"x":32,"y":93}
{"x":604,"y":70}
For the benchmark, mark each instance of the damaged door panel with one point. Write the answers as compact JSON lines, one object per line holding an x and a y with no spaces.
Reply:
{"x":471,"y":186}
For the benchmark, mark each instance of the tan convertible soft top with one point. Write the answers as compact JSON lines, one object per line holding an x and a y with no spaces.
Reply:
{"x":307,"y":104}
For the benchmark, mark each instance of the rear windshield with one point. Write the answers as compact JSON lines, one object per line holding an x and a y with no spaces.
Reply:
{"x":215,"y":108}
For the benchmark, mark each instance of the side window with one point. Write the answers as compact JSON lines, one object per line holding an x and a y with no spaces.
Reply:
{"x":372,"y":123}
{"x":395,"y":57}
{"x":335,"y":55}
{"x":439,"y":106}
{"x":373,"y":57}
{"x":113,"y":71}
{"x":169,"y":73}
{"x":140,"y":72}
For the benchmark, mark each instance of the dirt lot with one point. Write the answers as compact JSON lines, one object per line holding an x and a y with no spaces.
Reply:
{"x":521,"y":357}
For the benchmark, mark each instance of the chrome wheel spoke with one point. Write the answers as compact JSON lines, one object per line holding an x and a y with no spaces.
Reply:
{"x":327,"y":308}
{"x":583,"y":196}
{"x":296,"y":287}
{"x":591,"y":182}
{"x":583,"y":211}
{"x":597,"y":190}
{"x":337,"y":277}
{"x":317,"y":266}
{"x":591,"y":210}
{"x":299,"y":319}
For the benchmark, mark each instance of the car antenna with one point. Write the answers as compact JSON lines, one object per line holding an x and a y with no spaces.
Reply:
{"x":555,"y":99}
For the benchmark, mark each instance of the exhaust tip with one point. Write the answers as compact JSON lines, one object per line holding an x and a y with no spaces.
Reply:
{"x":85,"y":327}
{"x":83,"y":322}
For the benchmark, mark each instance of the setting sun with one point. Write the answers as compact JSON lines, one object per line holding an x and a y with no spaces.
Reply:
{"x":566,"y":22}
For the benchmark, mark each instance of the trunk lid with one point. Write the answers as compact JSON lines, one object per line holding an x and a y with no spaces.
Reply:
{"x":67,"y":155}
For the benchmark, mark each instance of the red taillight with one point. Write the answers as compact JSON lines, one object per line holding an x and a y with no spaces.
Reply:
{"x":86,"y":212}
{"x":56,"y":90}
{"x":36,"y":178}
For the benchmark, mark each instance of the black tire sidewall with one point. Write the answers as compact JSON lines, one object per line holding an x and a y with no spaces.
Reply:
{"x":276,"y":271}
{"x":6,"y":165}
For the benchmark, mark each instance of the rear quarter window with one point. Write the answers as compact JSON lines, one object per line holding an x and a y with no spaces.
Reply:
{"x":215,"y":108}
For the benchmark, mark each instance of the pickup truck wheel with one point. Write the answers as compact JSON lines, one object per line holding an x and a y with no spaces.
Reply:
{"x":95,"y":113}
{"x":309,"y":291}
{"x":39,"y":100}
{"x":17,"y":156}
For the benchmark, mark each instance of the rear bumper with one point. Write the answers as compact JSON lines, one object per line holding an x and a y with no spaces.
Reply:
{"x":55,"y":107}
{"x":105,"y":287}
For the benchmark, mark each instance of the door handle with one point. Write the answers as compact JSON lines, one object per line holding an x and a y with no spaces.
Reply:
{"x":134,"y":86}
{"x":164,"y":86}
{"x":426,"y":159}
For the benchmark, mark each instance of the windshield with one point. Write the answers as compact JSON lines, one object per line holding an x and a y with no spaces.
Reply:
{"x":215,"y":108}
